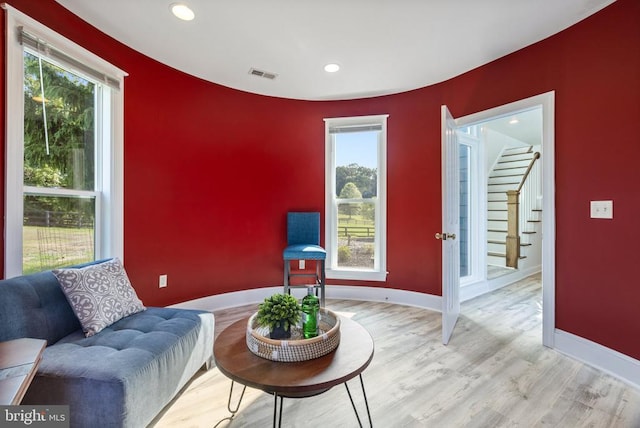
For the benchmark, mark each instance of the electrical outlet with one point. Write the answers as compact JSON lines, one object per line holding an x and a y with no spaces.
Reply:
{"x":301,"y":264}
{"x":163,"y":281}
{"x":601,"y":209}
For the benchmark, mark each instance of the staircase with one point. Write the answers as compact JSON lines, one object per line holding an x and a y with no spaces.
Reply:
{"x":507,"y":174}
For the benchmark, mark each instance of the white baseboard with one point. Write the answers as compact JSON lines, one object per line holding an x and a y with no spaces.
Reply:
{"x":388,"y":295}
{"x":612,"y":362}
{"x":468,"y":292}
{"x":345,"y":292}
{"x":229,"y":300}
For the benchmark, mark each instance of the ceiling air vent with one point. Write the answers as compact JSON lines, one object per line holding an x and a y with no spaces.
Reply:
{"x":260,"y":73}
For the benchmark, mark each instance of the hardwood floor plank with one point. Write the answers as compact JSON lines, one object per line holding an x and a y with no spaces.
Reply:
{"x":494,"y":373}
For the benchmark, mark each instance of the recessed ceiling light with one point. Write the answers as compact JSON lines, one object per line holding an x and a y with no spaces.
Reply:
{"x":182,"y":11}
{"x":514,"y":121}
{"x":331,"y":68}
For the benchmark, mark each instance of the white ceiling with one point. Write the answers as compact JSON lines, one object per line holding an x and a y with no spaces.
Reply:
{"x":524,"y":126}
{"x":383,"y":46}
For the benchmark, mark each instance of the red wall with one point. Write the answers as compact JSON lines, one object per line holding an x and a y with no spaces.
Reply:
{"x":210,"y":172}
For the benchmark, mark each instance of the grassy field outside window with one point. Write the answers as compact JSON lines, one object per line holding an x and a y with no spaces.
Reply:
{"x":51,"y":247}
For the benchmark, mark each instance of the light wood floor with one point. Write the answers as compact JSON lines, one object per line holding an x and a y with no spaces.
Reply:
{"x":493,"y":373}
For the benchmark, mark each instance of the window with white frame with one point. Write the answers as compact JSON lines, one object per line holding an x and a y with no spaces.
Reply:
{"x":356,"y":194}
{"x":64,"y":151}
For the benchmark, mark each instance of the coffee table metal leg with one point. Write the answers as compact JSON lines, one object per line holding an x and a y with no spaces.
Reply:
{"x":275,"y":410}
{"x":237,"y":407}
{"x":366,"y":402}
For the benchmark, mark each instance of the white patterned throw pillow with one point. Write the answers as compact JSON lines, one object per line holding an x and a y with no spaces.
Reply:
{"x":99,"y":294}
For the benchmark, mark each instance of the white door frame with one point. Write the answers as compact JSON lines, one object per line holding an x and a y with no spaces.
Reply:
{"x":547,"y":102}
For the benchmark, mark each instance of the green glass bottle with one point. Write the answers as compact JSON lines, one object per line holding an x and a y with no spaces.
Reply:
{"x":310,"y":312}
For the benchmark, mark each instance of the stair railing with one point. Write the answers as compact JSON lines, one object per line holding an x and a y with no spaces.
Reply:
{"x":516,"y":205}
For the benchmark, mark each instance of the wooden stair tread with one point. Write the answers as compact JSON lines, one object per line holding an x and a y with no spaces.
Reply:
{"x":510,"y":167}
{"x":493,"y":241}
{"x":506,"y":175}
{"x":512,"y":161}
{"x":491,"y":253}
{"x":504,"y":155}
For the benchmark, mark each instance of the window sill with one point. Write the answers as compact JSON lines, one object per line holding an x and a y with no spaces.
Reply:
{"x":356,"y":275}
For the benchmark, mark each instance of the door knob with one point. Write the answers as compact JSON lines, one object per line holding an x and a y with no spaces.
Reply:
{"x":445,"y":236}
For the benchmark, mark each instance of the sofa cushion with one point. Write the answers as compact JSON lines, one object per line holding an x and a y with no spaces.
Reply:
{"x":99,"y":294}
{"x":126,"y":374}
{"x":35,"y":306}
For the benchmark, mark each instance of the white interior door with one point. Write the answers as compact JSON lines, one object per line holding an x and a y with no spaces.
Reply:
{"x":450,"y":226}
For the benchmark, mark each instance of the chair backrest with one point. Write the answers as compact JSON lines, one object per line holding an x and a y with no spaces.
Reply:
{"x":303,"y":228}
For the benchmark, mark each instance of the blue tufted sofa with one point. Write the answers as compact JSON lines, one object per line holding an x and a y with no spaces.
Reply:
{"x":122,"y":376}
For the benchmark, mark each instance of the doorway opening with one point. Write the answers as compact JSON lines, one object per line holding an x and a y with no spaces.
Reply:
{"x":500,"y":157}
{"x":476,"y":158}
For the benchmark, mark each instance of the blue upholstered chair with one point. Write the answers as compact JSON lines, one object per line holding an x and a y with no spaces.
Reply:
{"x":303,"y":243}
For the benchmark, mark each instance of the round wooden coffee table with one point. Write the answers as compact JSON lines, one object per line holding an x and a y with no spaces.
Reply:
{"x":297,"y":379}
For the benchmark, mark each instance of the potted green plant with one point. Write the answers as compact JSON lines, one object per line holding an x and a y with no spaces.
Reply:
{"x":279,"y":312}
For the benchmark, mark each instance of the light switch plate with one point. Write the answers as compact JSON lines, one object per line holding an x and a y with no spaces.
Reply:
{"x":602,"y":209}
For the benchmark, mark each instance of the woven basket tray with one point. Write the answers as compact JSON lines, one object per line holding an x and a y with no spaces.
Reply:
{"x":297,"y":348}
